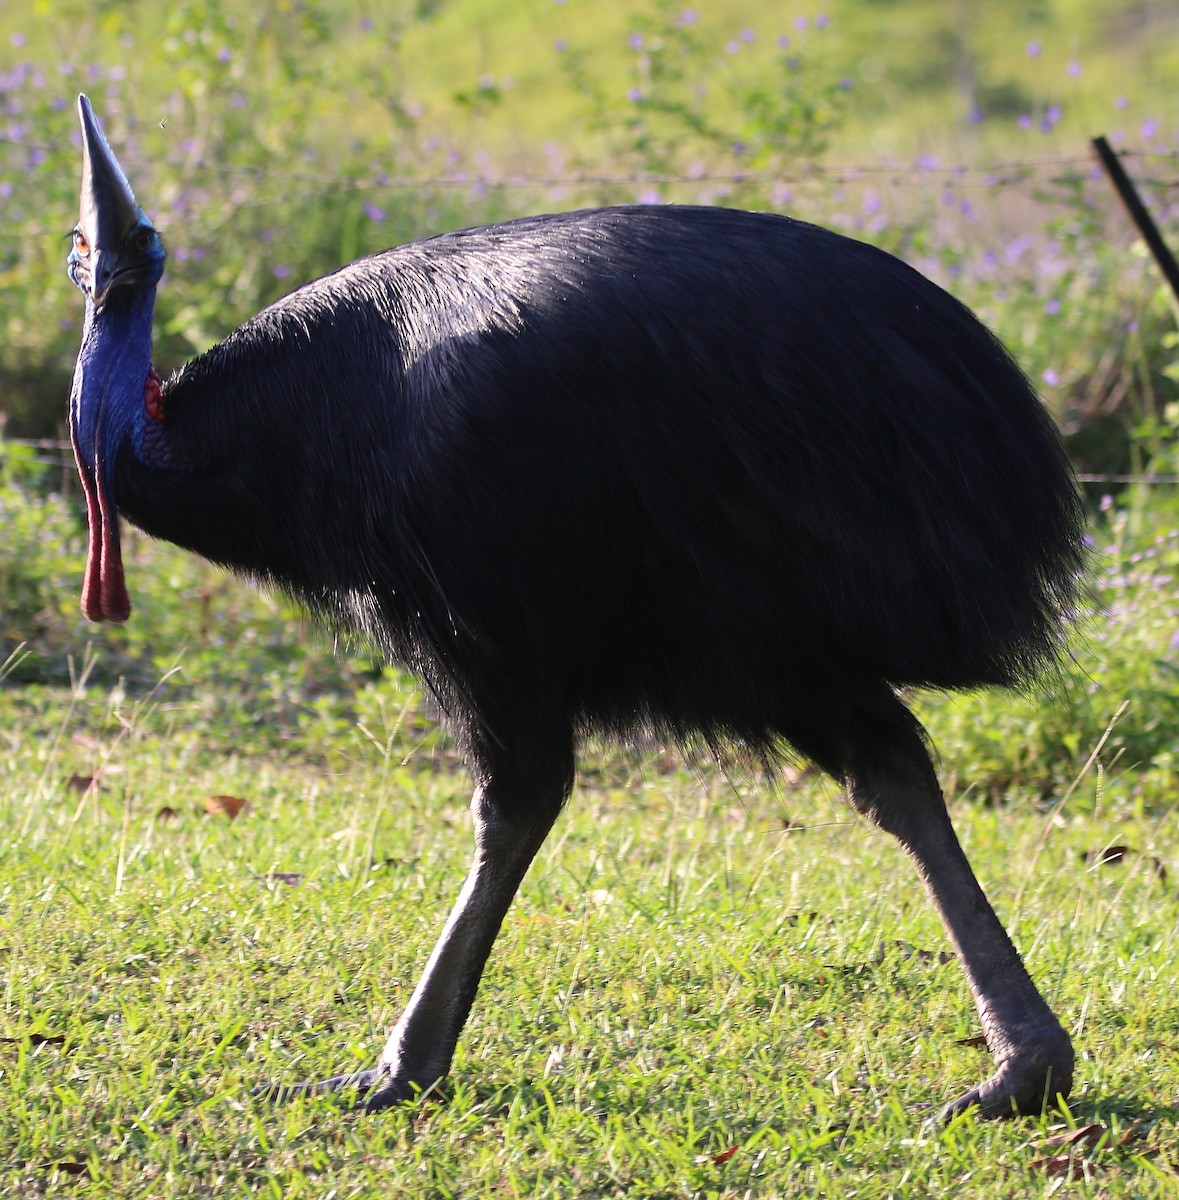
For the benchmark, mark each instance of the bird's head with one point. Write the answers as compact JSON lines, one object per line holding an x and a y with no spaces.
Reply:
{"x":117,"y":259}
{"x":115,"y":245}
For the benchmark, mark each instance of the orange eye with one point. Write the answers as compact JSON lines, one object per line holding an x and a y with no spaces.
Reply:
{"x":80,"y":243}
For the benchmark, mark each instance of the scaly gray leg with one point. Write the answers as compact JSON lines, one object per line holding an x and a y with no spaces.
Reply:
{"x":889,"y":778}
{"x":421,"y":1045}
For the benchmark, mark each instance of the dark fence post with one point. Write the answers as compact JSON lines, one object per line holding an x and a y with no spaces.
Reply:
{"x":1138,"y":213}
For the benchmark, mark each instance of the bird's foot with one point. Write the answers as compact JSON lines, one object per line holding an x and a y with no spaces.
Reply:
{"x":377,"y":1089}
{"x":1025,"y":1084}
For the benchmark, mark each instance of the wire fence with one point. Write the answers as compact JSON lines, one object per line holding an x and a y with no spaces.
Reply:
{"x":926,"y":169}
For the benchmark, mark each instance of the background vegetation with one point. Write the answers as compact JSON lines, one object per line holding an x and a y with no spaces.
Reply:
{"x":690,"y":970}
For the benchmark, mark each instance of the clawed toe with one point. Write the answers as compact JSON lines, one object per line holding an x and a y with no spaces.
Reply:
{"x":1018,"y":1088}
{"x":363,"y":1081}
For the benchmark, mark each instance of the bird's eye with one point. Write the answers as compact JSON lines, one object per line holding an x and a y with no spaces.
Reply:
{"x":81,"y":245}
{"x":142,"y":241}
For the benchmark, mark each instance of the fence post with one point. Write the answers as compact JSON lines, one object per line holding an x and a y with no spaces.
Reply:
{"x":1138,"y":213}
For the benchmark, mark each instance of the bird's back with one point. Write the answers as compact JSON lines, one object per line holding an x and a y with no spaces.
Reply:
{"x":654,"y":462}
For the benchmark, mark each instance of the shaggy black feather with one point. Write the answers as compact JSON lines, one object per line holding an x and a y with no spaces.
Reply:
{"x":718,"y":472}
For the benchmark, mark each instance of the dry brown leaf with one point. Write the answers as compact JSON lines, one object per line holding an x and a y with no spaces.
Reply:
{"x":38,"y":1039}
{"x":81,"y":783}
{"x":1116,"y":855}
{"x":230,"y":806}
{"x":979,"y":1040}
{"x":1085,"y":1135}
{"x":68,"y":1167}
{"x":1071,"y":1166}
{"x":167,"y":814}
{"x":912,"y":952}
{"x":290,"y":878}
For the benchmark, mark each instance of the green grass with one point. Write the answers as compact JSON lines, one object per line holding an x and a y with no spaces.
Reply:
{"x":696,"y":964}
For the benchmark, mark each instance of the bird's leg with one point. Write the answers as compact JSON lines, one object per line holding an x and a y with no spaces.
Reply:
{"x":419,"y":1049}
{"x":890,"y":779}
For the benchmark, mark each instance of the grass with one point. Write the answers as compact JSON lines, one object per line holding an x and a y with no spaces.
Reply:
{"x":697,"y":965}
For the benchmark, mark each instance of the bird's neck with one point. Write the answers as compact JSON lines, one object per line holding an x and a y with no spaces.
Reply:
{"x":107,"y":395}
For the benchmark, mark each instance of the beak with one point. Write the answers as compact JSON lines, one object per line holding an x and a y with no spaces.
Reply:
{"x":108,"y":210}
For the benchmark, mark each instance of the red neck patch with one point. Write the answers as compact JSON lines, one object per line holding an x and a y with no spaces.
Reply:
{"x":153,"y":399}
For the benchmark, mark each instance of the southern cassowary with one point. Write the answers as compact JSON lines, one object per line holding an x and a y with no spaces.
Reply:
{"x":722,"y":475}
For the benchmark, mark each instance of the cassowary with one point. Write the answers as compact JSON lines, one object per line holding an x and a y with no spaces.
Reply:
{"x":722,"y":475}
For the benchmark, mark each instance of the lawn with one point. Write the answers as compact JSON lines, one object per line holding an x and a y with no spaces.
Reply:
{"x":712,"y":984}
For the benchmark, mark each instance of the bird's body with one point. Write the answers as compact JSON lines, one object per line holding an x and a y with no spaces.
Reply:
{"x":771,"y":503}
{"x":727,"y":474}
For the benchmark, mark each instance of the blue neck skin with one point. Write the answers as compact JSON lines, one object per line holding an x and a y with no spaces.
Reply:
{"x":107,"y":395}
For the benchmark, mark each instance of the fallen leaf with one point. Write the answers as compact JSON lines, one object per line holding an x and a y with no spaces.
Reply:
{"x":979,"y":1040}
{"x":1071,"y":1166}
{"x":37,"y":1039}
{"x":1085,"y":1135}
{"x":908,"y":952}
{"x":81,"y":783}
{"x":230,"y":806}
{"x":68,"y":1167}
{"x":1116,"y":855}
{"x":167,"y":814}
{"x":290,"y":878}
{"x":1107,"y":855}
{"x":725,"y":1155}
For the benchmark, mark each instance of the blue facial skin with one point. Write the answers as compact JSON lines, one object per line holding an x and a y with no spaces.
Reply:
{"x":107,"y":393}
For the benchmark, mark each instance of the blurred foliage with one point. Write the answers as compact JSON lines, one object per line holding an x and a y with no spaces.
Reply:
{"x":272,"y":145}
